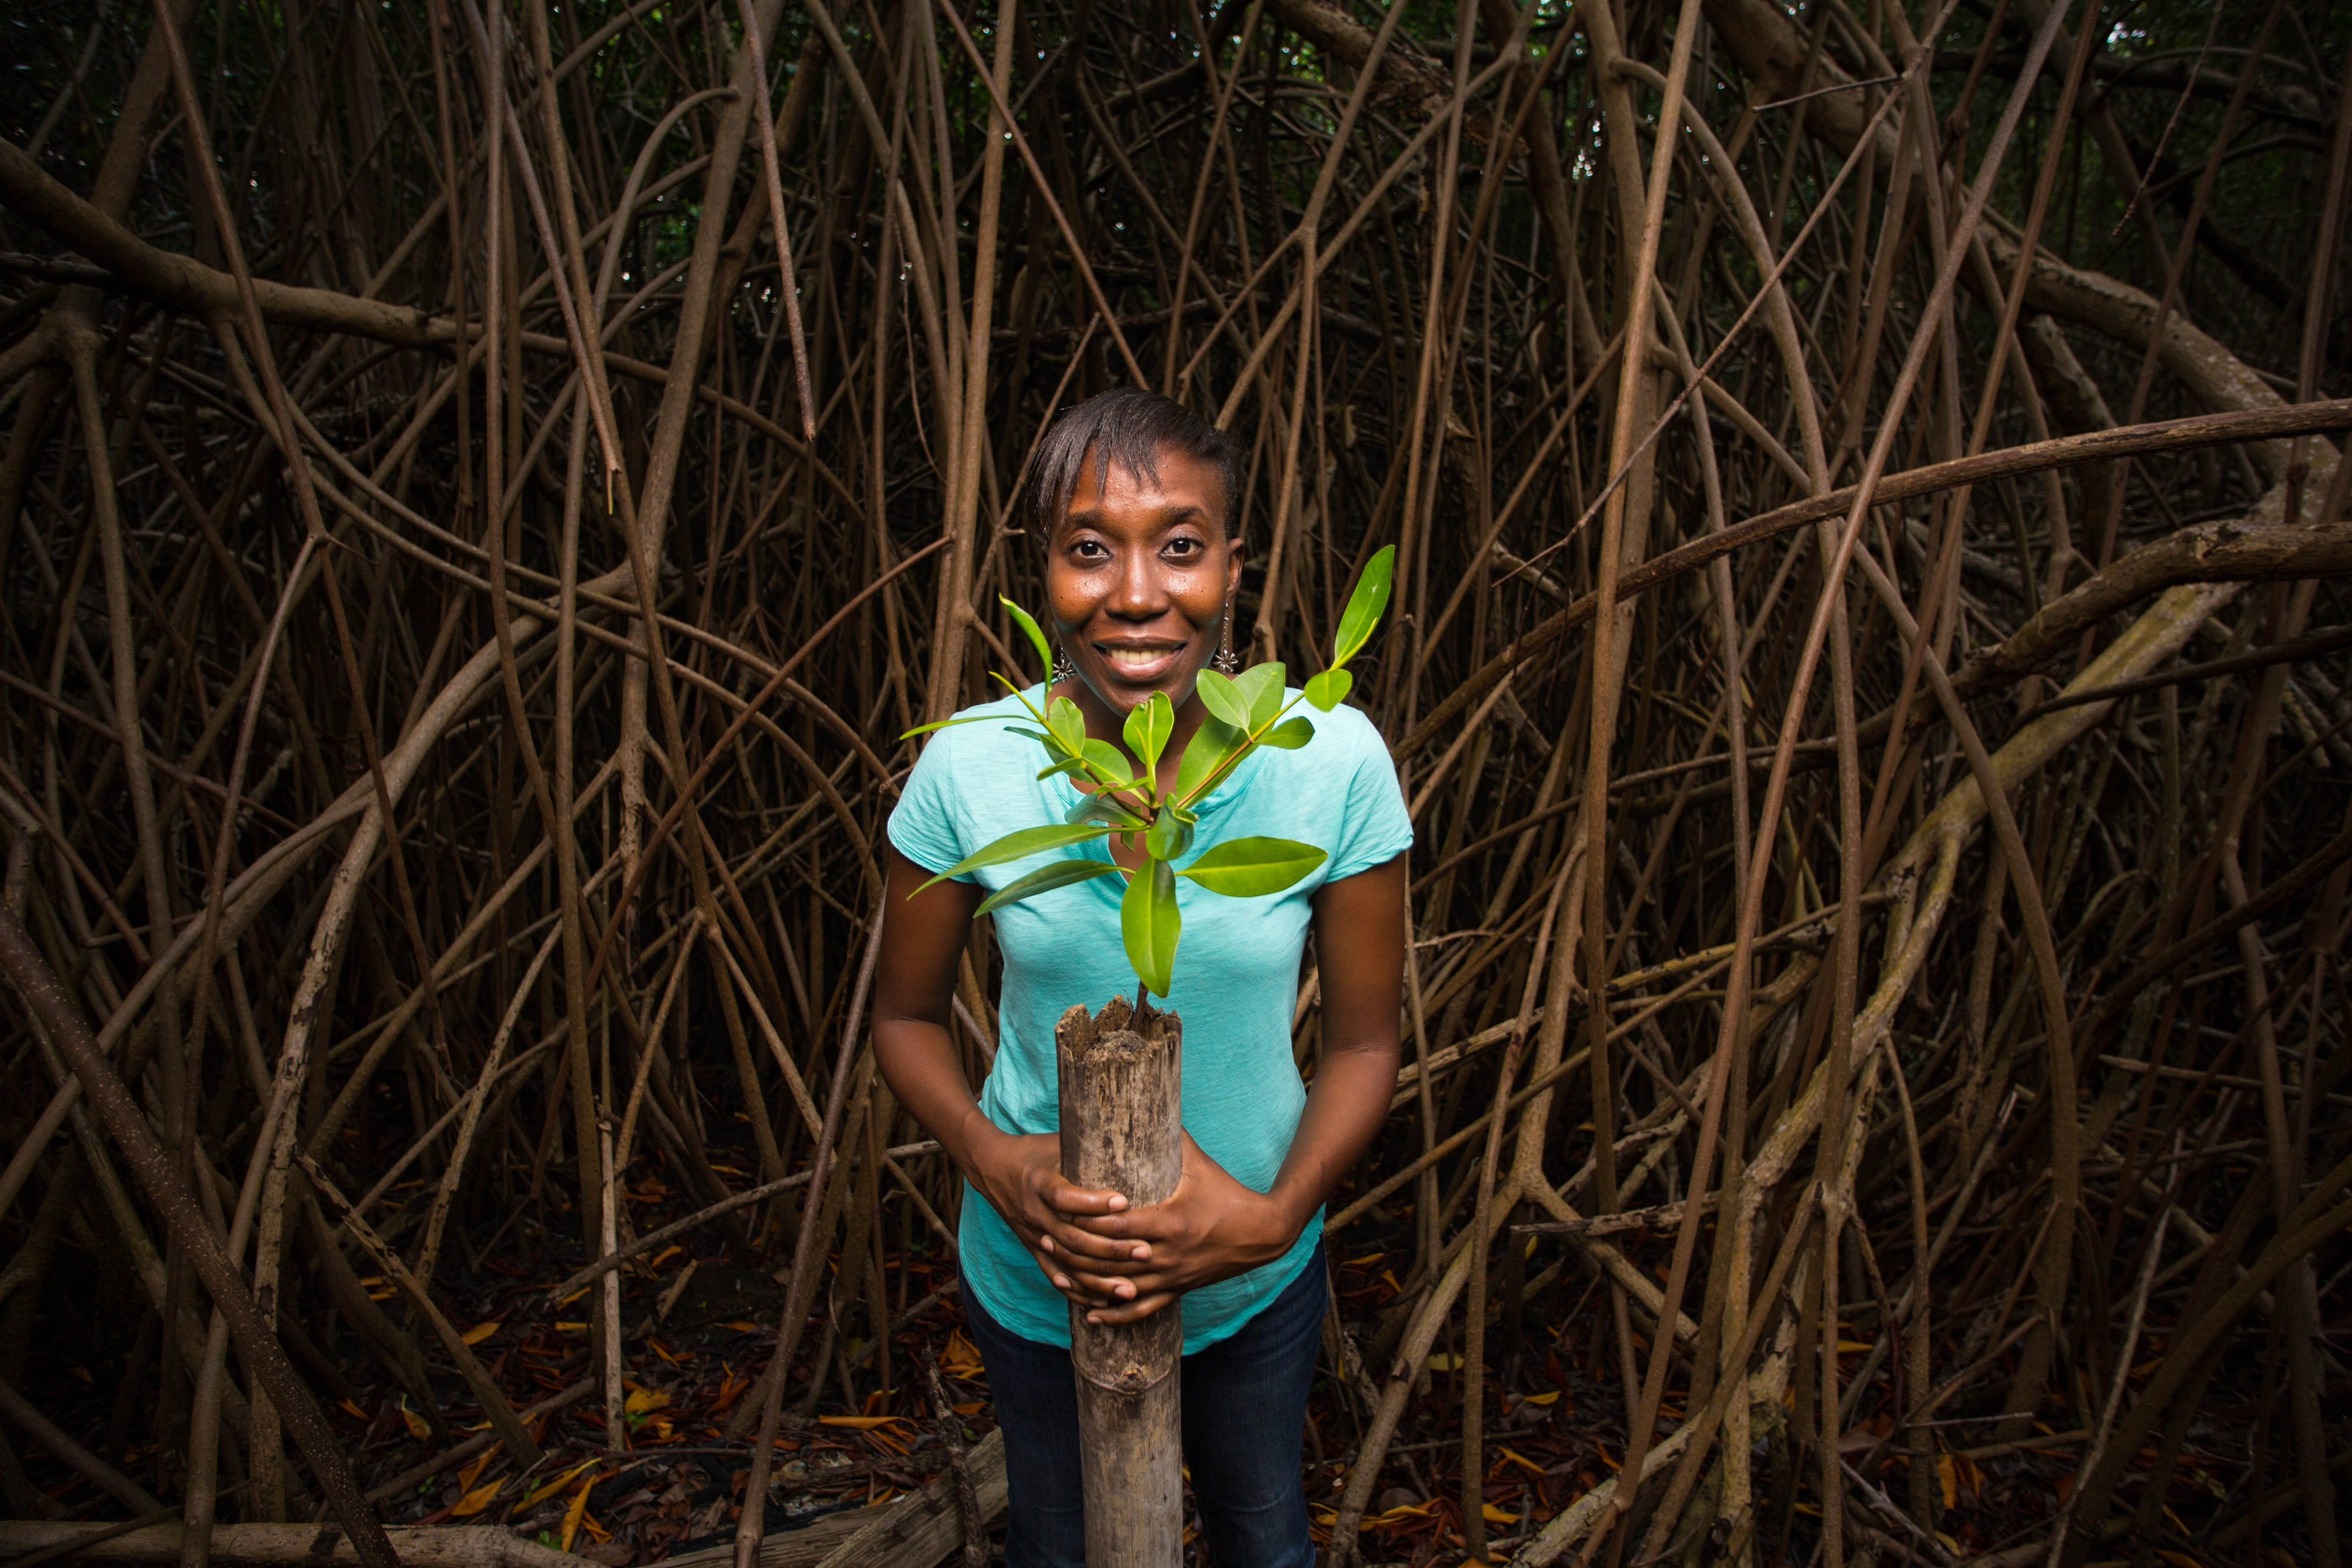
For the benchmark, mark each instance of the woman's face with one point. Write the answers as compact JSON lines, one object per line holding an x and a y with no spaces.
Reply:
{"x":1138,"y":575}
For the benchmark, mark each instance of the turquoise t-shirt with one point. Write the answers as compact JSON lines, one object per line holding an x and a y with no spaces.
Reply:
{"x":1236,"y":980}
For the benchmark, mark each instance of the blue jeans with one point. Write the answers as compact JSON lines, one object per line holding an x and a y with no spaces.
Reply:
{"x":1245,"y":1416}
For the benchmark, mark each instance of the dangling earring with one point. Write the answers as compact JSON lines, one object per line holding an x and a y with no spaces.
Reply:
{"x":1226,"y":662}
{"x":1063,"y":669}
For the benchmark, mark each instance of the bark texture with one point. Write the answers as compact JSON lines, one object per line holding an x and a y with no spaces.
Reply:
{"x":1122,"y":1104}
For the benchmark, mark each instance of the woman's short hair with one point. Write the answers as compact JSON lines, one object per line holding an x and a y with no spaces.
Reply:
{"x":1131,"y":427}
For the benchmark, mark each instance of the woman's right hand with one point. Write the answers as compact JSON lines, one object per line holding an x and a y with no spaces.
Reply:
{"x":1021,"y":1176}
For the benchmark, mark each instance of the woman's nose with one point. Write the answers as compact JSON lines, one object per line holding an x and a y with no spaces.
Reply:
{"x":1139,"y":594}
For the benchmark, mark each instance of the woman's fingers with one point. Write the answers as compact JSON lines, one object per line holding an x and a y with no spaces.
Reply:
{"x":1067,"y":1197}
{"x":1086,"y":1290}
{"x":1154,"y":1222}
{"x":1134,"y":1311}
{"x":1101,"y":1288}
{"x":1083,"y":1248}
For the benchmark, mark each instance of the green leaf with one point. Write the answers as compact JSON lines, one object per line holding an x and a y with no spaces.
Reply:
{"x":1224,"y":700}
{"x":1250,"y":868}
{"x":944,"y":723}
{"x":1260,"y":685}
{"x":1103,"y":808}
{"x":1362,"y":615}
{"x":1105,"y":764}
{"x":1148,"y":921}
{"x":1167,"y":837}
{"x":1210,"y":746}
{"x":1021,"y":845}
{"x":1329,"y":689}
{"x":1044,"y":879}
{"x":1037,"y":638}
{"x":1147,"y":727}
{"x":1290,"y":734}
{"x":1069,"y":765}
{"x":1067,"y":723}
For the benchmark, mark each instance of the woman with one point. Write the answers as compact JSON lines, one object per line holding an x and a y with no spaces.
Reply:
{"x":1134,"y":497}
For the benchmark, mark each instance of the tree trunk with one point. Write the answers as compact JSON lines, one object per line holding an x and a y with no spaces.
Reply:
{"x":1121,"y":1102}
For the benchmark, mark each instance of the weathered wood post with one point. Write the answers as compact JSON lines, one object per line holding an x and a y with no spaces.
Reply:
{"x":1121,"y":1107}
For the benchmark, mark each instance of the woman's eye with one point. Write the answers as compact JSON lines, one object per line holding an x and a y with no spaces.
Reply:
{"x":1089,"y":550}
{"x":1184,"y":549}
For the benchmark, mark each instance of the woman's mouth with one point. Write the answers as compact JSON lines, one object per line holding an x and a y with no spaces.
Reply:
{"x":1140,"y":663}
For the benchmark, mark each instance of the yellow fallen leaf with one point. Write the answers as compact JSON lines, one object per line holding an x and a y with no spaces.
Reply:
{"x":741,"y":1327}
{"x":473,"y":1472}
{"x":1523,"y":1462}
{"x":1549,"y":1396}
{"x":970,"y":1408}
{"x":557,"y":1484}
{"x":417,"y":1427}
{"x":354,"y":1409}
{"x":643,"y":1399}
{"x":479,"y":1333}
{"x":474,"y":1501}
{"x":1443,"y":1362}
{"x":566,"y":1325}
{"x":577,"y":1513}
{"x":1396,"y":1515}
{"x":862,"y":1423}
{"x":1496,"y":1515}
{"x":1949,"y":1475}
{"x":961,"y":1358}
{"x":1856,"y":1346}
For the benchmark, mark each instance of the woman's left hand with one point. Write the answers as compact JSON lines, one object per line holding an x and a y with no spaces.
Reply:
{"x":1210,"y":1228}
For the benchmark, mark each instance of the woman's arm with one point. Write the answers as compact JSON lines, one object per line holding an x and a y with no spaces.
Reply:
{"x":914,"y":985}
{"x":1213,"y":1227}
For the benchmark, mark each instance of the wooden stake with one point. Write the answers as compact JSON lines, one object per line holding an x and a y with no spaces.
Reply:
{"x":1121,"y":1104}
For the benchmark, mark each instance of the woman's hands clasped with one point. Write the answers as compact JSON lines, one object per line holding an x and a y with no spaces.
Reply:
{"x":1124,"y":1264}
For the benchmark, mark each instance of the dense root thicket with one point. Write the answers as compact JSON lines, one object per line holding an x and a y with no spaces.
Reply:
{"x":484,"y":486}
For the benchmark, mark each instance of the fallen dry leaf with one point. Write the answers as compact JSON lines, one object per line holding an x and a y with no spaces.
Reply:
{"x":480,"y":1498}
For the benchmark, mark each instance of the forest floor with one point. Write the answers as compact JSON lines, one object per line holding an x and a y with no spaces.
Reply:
{"x":703,"y":1320}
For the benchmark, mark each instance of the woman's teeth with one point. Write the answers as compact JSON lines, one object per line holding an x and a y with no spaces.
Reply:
{"x":1136,"y":658}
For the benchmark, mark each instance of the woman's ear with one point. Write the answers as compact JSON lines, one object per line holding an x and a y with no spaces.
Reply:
{"x":1236,"y":552}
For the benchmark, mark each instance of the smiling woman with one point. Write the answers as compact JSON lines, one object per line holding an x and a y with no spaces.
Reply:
{"x":1133,"y":495}
{"x":1141,"y":566}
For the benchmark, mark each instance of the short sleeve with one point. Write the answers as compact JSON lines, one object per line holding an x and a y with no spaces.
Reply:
{"x":925,"y":824}
{"x":1375,"y":827}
